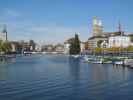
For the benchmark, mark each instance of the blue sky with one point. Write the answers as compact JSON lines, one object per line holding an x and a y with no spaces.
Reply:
{"x":56,"y":20}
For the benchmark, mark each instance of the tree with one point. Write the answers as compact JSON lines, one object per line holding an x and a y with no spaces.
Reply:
{"x":98,"y":50}
{"x":99,"y":43}
{"x":75,"y":45}
{"x":33,"y":44}
{"x":5,"y":46}
{"x":130,"y":49}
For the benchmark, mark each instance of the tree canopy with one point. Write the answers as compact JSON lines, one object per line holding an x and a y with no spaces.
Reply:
{"x":5,"y":46}
{"x":75,"y":45}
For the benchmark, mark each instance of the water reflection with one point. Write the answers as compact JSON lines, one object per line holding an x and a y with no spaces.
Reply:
{"x":98,"y":73}
{"x":105,"y":72}
{"x":118,"y":73}
{"x":74,"y":68}
{"x":4,"y":67}
{"x":57,"y":77}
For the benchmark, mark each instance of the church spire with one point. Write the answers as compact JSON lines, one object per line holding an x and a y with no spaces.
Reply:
{"x":120,"y":28}
{"x":5,"y":31}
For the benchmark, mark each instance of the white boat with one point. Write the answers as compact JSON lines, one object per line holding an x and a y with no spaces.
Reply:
{"x":97,"y":61}
{"x":118,"y":62}
{"x":85,"y":58}
{"x":128,"y":62}
{"x":75,"y":56}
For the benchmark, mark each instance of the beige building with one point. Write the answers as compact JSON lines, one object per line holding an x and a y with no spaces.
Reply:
{"x":82,"y":46}
{"x":93,"y":41}
{"x":59,"y":48}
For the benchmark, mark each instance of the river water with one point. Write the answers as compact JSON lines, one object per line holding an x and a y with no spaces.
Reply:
{"x":59,"y":77}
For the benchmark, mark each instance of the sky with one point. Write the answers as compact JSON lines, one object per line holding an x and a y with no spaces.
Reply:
{"x":54,"y":21}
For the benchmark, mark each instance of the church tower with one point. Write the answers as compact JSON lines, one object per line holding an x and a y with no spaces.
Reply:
{"x":3,"y":34}
{"x":97,"y":27}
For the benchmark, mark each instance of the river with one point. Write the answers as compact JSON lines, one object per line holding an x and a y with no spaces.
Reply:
{"x":59,"y":77}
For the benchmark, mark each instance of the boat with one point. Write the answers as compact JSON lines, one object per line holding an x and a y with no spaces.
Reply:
{"x":97,"y":61}
{"x":76,"y":56}
{"x":85,"y":58}
{"x":128,"y":63}
{"x":118,"y":62}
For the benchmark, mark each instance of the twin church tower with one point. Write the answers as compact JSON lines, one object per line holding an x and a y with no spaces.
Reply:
{"x":97,"y":27}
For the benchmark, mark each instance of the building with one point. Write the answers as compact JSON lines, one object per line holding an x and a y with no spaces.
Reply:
{"x":104,"y":44}
{"x":119,"y":41}
{"x":48,"y":48}
{"x":17,"y":47}
{"x":82,"y":46}
{"x":93,"y":41}
{"x":59,"y":48}
{"x":3,"y":34}
{"x":38,"y":48}
{"x":67,"y":44}
{"x":97,"y":34}
{"x":97,"y":27}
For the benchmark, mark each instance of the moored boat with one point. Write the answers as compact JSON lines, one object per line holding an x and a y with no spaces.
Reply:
{"x":128,"y":62}
{"x":118,"y":62}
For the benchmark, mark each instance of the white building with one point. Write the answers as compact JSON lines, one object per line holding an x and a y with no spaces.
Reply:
{"x":119,"y":41}
{"x":38,"y":48}
{"x":82,"y":46}
{"x":3,"y":36}
{"x":59,"y":48}
{"x":66,"y":47}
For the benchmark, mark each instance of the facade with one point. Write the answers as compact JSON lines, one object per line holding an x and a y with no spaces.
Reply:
{"x":38,"y":48}
{"x":92,"y":42}
{"x":66,"y":48}
{"x":48,"y":48}
{"x":119,"y":41}
{"x":59,"y":48}
{"x":16,"y":47}
{"x":82,"y":46}
{"x":20,"y":47}
{"x":104,"y":44}
{"x":67,"y":44}
{"x":3,"y":34}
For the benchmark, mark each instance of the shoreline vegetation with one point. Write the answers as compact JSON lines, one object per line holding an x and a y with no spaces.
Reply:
{"x":114,"y":55}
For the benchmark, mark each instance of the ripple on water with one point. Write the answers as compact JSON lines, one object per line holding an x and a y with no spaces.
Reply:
{"x":61,"y":78}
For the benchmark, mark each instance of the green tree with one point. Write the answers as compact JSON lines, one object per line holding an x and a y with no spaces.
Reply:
{"x":0,"y":45}
{"x":99,"y":43}
{"x":98,"y":50}
{"x":75,"y":45}
{"x":33,"y":44}
{"x":6,"y":46}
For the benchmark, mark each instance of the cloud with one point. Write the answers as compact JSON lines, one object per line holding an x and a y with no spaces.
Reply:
{"x":11,"y":13}
{"x":58,"y":33}
{"x":50,"y":33}
{"x":57,"y":30}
